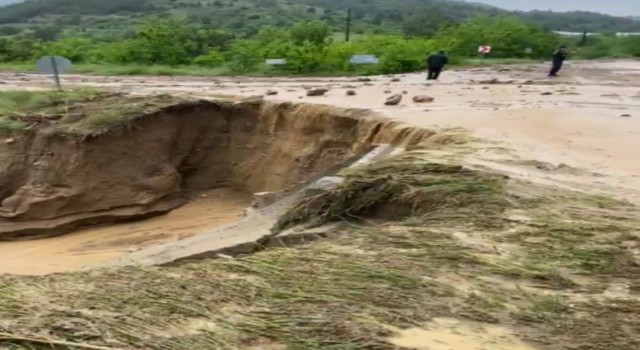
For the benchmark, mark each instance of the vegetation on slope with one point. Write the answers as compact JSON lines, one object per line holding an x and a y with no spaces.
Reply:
{"x":543,"y":268}
{"x":247,"y":17}
{"x":79,"y":111}
{"x":308,"y":47}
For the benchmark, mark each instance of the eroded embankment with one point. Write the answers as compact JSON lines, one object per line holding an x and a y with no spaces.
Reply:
{"x":54,"y":178}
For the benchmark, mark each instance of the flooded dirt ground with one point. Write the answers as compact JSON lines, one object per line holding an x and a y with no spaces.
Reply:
{"x":207,"y":210}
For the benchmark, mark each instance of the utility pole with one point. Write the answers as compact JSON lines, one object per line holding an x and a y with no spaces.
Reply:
{"x":348,"y":32}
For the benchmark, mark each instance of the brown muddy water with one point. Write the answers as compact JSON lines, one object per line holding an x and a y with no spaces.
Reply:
{"x":209,"y":210}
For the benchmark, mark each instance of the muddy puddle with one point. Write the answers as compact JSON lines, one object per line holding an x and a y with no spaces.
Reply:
{"x":452,"y":334}
{"x":208,"y":210}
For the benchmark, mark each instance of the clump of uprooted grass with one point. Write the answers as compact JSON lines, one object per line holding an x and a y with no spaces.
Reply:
{"x":315,"y":297}
{"x":400,"y":188}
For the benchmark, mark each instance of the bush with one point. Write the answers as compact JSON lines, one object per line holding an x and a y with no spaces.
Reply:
{"x":213,"y":59}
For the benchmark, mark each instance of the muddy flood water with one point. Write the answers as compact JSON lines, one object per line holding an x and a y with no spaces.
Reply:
{"x":87,"y":246}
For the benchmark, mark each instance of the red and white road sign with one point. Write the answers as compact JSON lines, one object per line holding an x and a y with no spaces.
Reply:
{"x":484,"y":49}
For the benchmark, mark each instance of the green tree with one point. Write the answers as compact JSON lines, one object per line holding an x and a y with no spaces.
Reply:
{"x":244,"y":56}
{"x":75,"y":49}
{"x":162,"y":41}
{"x":47,"y":33}
{"x":315,"y":32}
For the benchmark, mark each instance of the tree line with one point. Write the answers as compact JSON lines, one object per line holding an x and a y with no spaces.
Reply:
{"x":308,"y":46}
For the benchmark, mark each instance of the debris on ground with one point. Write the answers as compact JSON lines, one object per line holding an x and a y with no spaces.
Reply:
{"x":317,"y":92}
{"x":422,"y":99}
{"x":393,"y":100}
{"x":271,"y":92}
{"x":351,"y":93}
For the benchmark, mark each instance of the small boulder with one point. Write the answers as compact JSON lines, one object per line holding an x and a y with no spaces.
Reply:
{"x":626,"y":116}
{"x":351,"y":93}
{"x":9,"y":141}
{"x":423,"y":99}
{"x":546,"y":93}
{"x":271,"y":92}
{"x":317,"y":92}
{"x":363,"y":80}
{"x":395,"y":80}
{"x":394,"y":100}
{"x":387,"y":91}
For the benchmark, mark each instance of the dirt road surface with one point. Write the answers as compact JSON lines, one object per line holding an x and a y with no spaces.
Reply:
{"x":579,"y":131}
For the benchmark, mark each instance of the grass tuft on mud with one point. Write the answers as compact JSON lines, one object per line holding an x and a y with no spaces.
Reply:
{"x":402,"y":188}
{"x":75,"y":111}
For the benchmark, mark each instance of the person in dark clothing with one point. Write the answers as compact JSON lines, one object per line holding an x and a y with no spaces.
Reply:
{"x":558,"y":59}
{"x":435,"y":64}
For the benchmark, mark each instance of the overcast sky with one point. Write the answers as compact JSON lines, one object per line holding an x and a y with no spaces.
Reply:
{"x":614,"y":7}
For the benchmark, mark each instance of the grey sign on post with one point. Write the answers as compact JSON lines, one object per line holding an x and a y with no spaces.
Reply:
{"x":364,"y":59}
{"x":528,"y":50}
{"x":54,"y":65}
{"x":275,"y":61}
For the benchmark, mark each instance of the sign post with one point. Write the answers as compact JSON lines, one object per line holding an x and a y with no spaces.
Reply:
{"x":363,"y":59}
{"x":275,"y":61}
{"x":528,"y":51}
{"x":484,"y":50}
{"x":55,"y":65}
{"x":357,"y":60}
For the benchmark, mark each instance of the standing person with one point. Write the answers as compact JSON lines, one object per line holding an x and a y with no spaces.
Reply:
{"x":558,"y":59}
{"x":435,"y":64}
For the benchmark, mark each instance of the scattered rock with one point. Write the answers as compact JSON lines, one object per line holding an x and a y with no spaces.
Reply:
{"x":423,"y":99}
{"x":626,"y":116}
{"x":405,"y":92}
{"x":271,"y":92}
{"x":485,"y":88}
{"x":363,"y":80}
{"x":545,"y":166}
{"x":395,"y":80}
{"x":394,"y":100}
{"x":387,"y":91}
{"x":317,"y":92}
{"x":490,"y":81}
{"x":546,"y":93}
{"x":9,"y":141}
{"x":351,"y":93}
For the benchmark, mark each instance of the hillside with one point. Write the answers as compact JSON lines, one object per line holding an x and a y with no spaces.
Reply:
{"x":247,"y":16}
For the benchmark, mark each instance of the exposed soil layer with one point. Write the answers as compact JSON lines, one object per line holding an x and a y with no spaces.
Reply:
{"x":53,"y":181}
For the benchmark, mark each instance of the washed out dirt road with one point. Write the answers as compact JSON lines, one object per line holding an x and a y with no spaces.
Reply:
{"x":579,"y":131}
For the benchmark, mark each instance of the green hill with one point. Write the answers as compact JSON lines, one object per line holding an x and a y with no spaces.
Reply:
{"x":245,"y":17}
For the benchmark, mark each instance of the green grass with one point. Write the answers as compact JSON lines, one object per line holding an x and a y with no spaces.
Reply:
{"x":25,"y":102}
{"x":125,"y":69}
{"x":75,"y":111}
